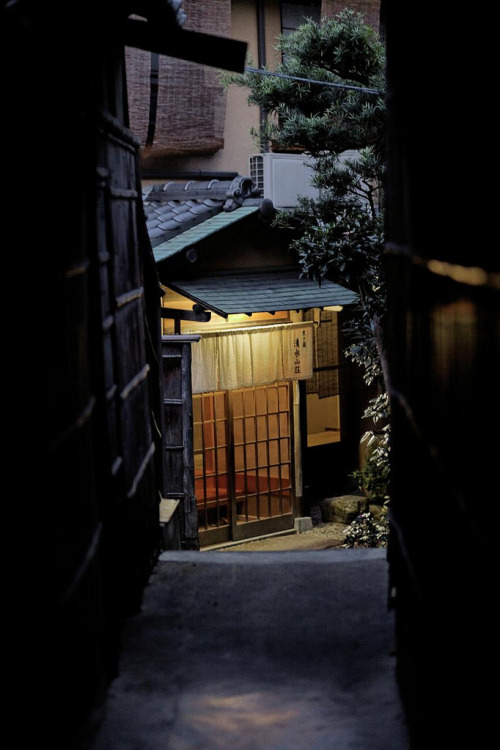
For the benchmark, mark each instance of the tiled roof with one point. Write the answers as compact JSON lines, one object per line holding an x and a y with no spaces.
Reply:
{"x":267,"y":291}
{"x":179,"y":215}
{"x":198,"y":232}
{"x":175,"y":208}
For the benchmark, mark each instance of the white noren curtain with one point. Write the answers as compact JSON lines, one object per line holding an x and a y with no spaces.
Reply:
{"x":246,"y":357}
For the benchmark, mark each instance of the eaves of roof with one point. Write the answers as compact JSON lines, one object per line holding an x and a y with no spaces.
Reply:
{"x":265,"y":291}
{"x":199,"y":232}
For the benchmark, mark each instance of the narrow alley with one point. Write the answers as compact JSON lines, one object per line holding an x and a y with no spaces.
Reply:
{"x":259,"y":651}
{"x":234,"y":650}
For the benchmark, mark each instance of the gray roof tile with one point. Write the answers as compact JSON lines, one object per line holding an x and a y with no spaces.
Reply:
{"x":169,"y":226}
{"x":155,"y":233}
{"x":176,"y":207}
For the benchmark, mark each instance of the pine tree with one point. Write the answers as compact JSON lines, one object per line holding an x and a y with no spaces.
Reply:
{"x":327,"y":101}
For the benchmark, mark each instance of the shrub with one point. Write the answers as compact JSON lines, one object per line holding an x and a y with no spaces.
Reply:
{"x":366,"y":531}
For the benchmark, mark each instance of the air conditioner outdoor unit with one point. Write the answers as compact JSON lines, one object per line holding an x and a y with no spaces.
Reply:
{"x":283,"y":177}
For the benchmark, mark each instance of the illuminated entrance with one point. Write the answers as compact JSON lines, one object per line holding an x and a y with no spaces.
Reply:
{"x":263,"y":402}
{"x":243,"y":462}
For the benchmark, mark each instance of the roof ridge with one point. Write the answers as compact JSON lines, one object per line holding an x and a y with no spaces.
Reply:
{"x":234,"y":190}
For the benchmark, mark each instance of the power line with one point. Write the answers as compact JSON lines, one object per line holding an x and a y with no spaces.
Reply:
{"x":311,"y":80}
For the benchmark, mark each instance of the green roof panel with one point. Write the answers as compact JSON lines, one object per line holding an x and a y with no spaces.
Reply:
{"x":228,"y":294}
{"x":195,"y":234}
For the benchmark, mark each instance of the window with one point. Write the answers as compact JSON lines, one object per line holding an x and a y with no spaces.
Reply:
{"x":295,"y":14}
{"x":323,"y":400}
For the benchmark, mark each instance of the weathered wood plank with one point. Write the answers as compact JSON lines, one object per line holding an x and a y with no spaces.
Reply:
{"x":178,"y":437}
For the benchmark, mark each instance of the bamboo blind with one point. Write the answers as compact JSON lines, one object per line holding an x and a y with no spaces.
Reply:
{"x":177,"y":107}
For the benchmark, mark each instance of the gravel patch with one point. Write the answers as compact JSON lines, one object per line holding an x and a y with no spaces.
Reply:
{"x":322,"y":536}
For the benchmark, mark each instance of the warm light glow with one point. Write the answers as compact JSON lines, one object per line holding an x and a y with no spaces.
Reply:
{"x":462,"y":274}
{"x":256,"y":317}
{"x":240,"y":318}
{"x":471,"y":275}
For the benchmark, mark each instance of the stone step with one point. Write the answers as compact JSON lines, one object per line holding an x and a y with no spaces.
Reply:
{"x":343,"y":508}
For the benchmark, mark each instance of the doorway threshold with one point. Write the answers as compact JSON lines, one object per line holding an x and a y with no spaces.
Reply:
{"x":237,"y":543}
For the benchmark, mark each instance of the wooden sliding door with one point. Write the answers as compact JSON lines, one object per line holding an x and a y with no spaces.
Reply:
{"x":211,"y":466}
{"x":243,"y":462}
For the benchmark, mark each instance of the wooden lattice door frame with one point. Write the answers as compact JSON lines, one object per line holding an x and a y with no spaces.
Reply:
{"x":253,"y":493}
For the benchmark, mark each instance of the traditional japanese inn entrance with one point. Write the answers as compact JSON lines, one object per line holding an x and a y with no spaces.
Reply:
{"x":251,"y":414}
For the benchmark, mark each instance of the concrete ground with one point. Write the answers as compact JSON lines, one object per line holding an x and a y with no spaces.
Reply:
{"x":321,"y":536}
{"x":280,"y":650}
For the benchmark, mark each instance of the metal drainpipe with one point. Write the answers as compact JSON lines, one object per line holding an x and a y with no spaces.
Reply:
{"x":261,"y":54}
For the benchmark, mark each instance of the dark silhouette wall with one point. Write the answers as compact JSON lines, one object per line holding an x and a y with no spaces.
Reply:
{"x":443,"y":341}
{"x":83,"y":347}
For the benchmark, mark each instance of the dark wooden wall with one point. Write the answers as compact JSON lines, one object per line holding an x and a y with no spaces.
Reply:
{"x":444,"y":344}
{"x":178,"y":435}
{"x":83,"y":349}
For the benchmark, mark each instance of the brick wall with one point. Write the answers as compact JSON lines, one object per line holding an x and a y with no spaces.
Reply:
{"x":370,"y":9}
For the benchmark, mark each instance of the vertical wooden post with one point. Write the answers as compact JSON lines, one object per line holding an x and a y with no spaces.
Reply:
{"x":178,"y":437}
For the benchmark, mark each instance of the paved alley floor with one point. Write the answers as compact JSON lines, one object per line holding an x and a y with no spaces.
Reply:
{"x":259,"y":651}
